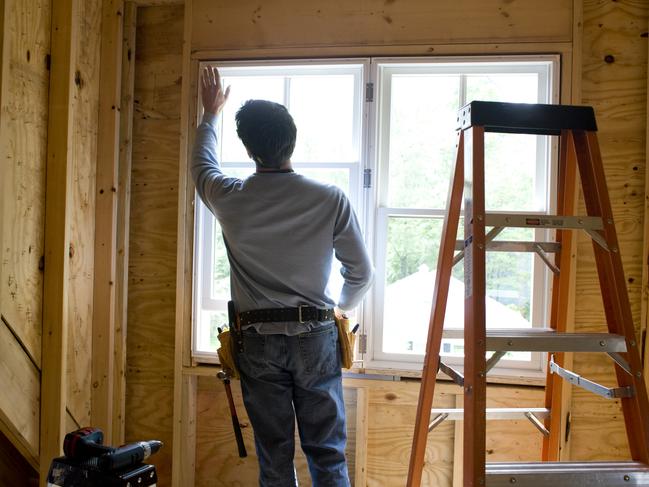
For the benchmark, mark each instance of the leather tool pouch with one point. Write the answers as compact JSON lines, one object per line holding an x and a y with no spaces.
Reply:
{"x":347,"y":340}
{"x":228,"y":339}
{"x":225,"y":355}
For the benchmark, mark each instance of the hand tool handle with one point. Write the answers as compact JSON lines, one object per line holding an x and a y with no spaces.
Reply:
{"x":235,"y":421}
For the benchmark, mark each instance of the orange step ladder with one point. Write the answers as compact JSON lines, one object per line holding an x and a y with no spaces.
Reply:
{"x":579,"y":150}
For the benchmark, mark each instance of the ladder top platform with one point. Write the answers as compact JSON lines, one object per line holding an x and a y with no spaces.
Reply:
{"x":526,"y":118}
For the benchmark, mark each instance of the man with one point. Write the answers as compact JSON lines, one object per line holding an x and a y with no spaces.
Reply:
{"x":281,"y":231}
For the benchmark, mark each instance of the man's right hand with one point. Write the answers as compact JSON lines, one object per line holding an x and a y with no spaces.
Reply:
{"x":212,"y":92}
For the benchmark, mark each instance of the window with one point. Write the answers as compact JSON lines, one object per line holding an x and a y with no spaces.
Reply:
{"x":415,"y":131}
{"x":390,"y":145}
{"x":325,"y":99}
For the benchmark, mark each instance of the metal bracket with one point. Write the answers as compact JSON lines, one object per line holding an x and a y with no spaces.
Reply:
{"x":456,"y":376}
{"x":597,"y":237}
{"x":537,"y":423}
{"x":494,"y":359}
{"x":493,"y":233}
{"x":620,"y":361}
{"x":576,"y":379}
{"x":437,"y":420}
{"x":545,"y":258}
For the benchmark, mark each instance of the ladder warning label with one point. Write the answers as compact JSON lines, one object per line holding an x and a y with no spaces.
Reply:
{"x":468,"y":263}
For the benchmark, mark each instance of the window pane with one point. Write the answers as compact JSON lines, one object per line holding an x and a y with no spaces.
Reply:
{"x":509,"y":87}
{"x":209,"y":321}
{"x":511,"y":160}
{"x":413,"y":245}
{"x":221,"y":270}
{"x":423,"y":111}
{"x":243,"y":88}
{"x":411,"y":263}
{"x":323,"y":109}
{"x":510,"y":172}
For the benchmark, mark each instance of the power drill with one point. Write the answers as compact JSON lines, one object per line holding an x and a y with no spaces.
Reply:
{"x":88,"y":462}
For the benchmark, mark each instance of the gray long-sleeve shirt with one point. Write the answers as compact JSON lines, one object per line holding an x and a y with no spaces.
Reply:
{"x":281,"y":231}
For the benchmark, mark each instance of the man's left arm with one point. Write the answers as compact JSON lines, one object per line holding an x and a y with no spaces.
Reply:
{"x":350,"y":250}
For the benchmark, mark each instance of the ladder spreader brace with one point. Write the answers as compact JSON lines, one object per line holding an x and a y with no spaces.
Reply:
{"x":578,"y":154}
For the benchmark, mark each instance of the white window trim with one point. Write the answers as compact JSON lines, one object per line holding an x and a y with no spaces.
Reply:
{"x":372,"y":316}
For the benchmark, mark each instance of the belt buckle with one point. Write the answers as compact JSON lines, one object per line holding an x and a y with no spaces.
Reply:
{"x":299,"y":312}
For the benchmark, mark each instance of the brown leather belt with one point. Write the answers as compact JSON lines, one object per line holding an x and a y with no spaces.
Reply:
{"x":301,"y":314}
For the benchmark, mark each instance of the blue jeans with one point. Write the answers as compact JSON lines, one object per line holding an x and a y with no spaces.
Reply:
{"x":288,"y":377}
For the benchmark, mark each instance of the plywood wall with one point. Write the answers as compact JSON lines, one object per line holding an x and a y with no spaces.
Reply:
{"x":251,"y":24}
{"x":153,"y":221}
{"x":82,"y":235}
{"x":380,"y":422}
{"x":614,"y":82}
{"x":23,"y":144}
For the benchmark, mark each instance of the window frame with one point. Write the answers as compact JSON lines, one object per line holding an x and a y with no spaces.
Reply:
{"x":375,"y":358}
{"x":204,"y":222}
{"x":366,"y":200}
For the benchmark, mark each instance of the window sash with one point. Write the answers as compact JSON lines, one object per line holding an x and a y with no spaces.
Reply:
{"x":205,"y":222}
{"x":546,"y":68}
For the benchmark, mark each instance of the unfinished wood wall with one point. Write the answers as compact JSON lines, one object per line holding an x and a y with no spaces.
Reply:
{"x":82,"y":235}
{"x":24,"y":116}
{"x":23,"y":144}
{"x":250,"y":29}
{"x":153,"y":222}
{"x":380,"y":425}
{"x":251,"y":24}
{"x":614,"y":82}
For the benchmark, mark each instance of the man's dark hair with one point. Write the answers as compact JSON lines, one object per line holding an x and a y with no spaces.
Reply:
{"x":268,"y":132}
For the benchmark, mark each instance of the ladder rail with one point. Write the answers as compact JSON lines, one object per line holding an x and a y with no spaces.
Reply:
{"x":436,"y":324}
{"x":614,"y":292}
{"x":475,"y":376}
{"x":558,"y":393}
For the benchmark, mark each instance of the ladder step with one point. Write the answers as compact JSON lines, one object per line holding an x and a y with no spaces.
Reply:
{"x":546,"y":340}
{"x":516,"y":246}
{"x":567,"y":474}
{"x":543,"y":221}
{"x":496,"y":413}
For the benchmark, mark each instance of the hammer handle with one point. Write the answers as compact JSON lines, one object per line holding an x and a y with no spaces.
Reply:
{"x":235,"y":420}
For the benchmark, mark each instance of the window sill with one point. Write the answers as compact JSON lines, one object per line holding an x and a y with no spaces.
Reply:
{"x":530,"y":378}
{"x":393,"y":374}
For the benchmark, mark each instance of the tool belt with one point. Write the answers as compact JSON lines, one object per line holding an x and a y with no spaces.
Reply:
{"x":231,"y":337}
{"x":347,"y":340}
{"x":301,"y":314}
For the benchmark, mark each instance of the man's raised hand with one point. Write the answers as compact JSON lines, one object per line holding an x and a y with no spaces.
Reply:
{"x":212,"y":92}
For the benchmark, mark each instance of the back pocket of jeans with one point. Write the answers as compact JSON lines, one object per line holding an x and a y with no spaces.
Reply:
{"x":319,"y":351}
